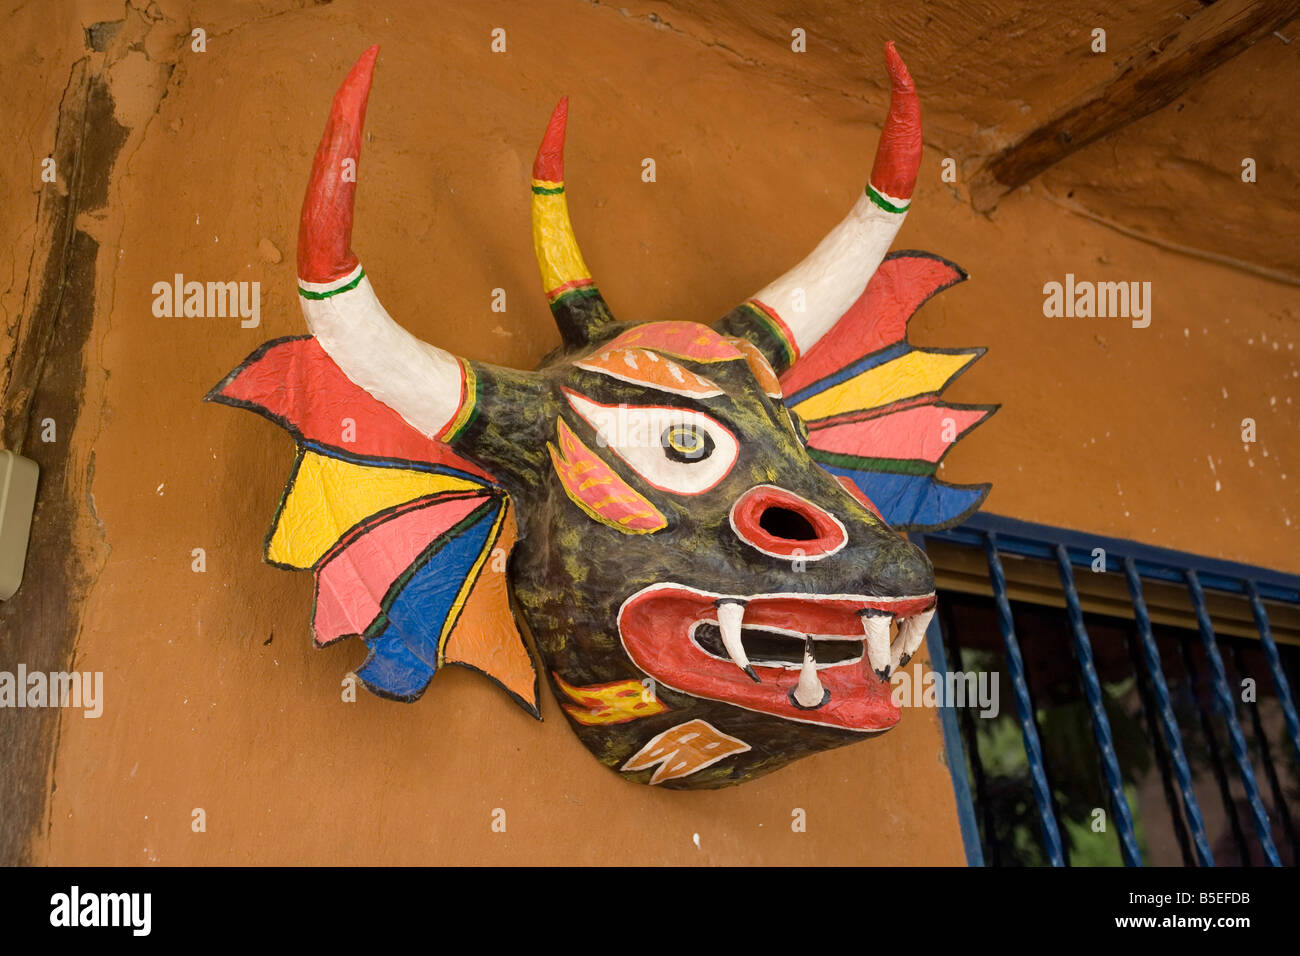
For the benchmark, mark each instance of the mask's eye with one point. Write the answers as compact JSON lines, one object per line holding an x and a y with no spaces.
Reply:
{"x":686,"y":443}
{"x":673,"y":449}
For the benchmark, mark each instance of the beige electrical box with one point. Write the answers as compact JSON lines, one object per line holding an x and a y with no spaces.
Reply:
{"x":17,"y":499}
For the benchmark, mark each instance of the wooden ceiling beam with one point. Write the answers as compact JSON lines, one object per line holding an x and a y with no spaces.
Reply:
{"x":1160,"y":70}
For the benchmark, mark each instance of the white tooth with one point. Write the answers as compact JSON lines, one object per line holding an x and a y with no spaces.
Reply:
{"x":876,"y":629}
{"x":809,"y":691}
{"x":911,"y":632}
{"x":731,"y":616}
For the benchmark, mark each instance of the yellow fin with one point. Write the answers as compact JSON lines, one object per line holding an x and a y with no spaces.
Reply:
{"x":917,"y":373}
{"x":328,"y":496}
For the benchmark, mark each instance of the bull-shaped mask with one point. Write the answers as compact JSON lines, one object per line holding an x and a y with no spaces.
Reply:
{"x":711,"y":590}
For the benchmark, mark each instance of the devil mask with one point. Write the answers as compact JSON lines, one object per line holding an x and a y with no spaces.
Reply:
{"x":688,"y":509}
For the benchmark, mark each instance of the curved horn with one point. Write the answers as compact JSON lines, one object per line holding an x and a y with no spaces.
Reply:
{"x":788,"y":316}
{"x":576,"y":303}
{"x":425,"y":385}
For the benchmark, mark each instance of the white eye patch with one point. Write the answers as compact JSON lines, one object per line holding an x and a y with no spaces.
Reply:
{"x":673,"y":449}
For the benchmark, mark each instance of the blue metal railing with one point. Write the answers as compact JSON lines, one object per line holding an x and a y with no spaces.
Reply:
{"x":1275,"y":666}
{"x":1168,"y":722}
{"x":1097,"y":712}
{"x":997,"y":536}
{"x":1228,"y":711}
{"x":1024,"y":707}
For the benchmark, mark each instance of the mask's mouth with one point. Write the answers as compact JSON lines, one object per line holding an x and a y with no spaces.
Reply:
{"x":814,"y":658}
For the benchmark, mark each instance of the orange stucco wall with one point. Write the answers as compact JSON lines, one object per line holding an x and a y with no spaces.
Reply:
{"x":215,"y":698}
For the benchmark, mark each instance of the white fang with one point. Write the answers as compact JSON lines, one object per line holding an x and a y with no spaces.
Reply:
{"x":911,"y":632}
{"x":876,"y":629}
{"x":809,"y":692}
{"x":731,"y":616}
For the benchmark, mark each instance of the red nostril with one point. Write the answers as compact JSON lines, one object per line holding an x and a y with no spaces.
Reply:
{"x":781,"y":524}
{"x":787,"y":524}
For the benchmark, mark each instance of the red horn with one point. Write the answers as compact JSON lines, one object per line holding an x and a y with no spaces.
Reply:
{"x":898,"y":156}
{"x":325,"y":231}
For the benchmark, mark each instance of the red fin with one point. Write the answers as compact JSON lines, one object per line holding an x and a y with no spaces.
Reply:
{"x":877,"y":319}
{"x":922,"y":432}
{"x":295,"y":384}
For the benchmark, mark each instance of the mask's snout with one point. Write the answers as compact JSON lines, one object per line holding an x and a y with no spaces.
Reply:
{"x":781,"y":524}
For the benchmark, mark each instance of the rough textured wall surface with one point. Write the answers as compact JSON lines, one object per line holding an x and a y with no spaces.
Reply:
{"x":214,"y":697}
{"x":1005,"y":68}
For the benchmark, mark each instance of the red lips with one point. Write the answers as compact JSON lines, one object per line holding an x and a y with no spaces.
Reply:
{"x":656,"y":624}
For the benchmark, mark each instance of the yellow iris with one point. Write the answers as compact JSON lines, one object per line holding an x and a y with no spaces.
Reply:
{"x":685,"y":443}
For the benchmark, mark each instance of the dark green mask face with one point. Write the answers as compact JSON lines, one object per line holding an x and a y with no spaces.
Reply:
{"x":699,"y":588}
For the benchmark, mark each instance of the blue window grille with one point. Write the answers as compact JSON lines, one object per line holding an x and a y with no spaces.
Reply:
{"x":1219,"y":712}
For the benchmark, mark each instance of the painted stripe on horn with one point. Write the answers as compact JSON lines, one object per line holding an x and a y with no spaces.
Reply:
{"x":886,"y":201}
{"x":319,"y":290}
{"x":469,"y":401}
{"x":576,"y":287}
{"x":767,"y":315}
{"x":898,"y":155}
{"x":346,"y":287}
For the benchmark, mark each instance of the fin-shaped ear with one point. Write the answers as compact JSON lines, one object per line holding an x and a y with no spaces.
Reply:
{"x":399,"y":531}
{"x":448,"y":607}
{"x":294,"y":383}
{"x":395,"y":525}
{"x":871,"y":401}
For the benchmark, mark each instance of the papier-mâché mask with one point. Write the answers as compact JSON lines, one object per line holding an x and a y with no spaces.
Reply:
{"x":708,"y":556}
